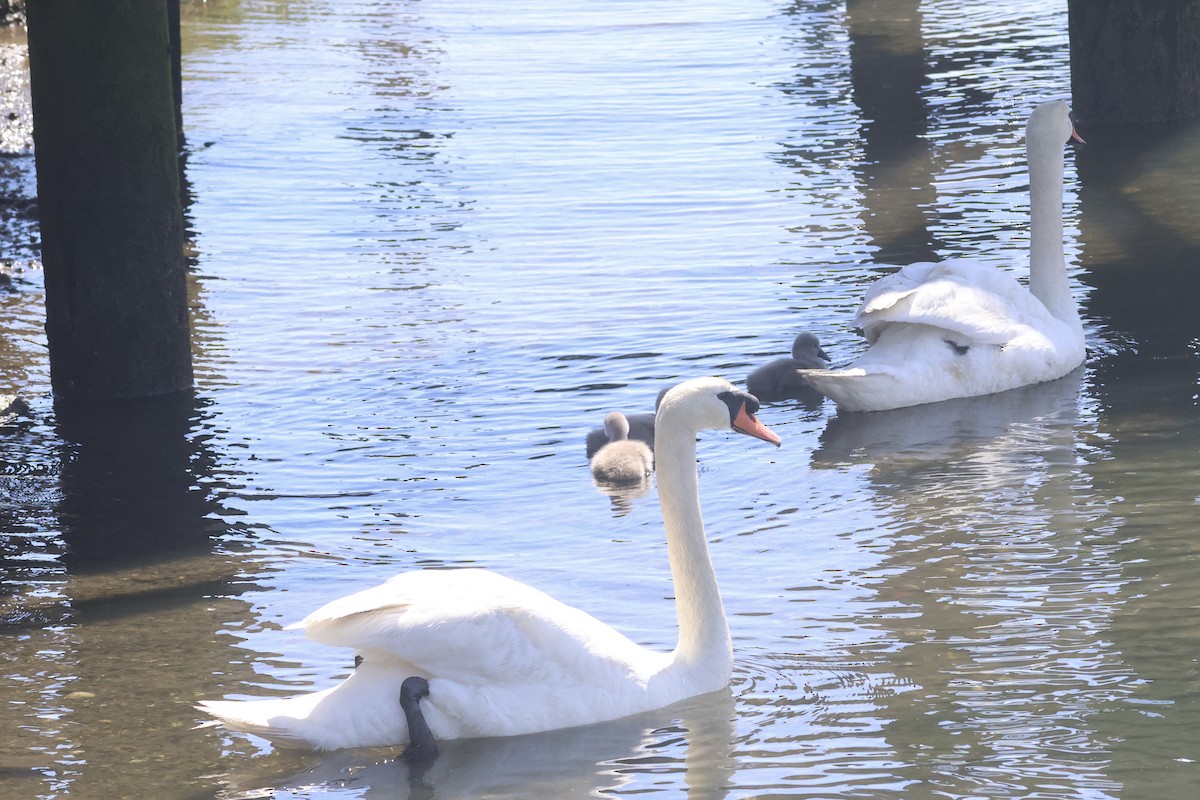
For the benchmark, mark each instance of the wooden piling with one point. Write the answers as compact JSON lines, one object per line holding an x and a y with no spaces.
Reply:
{"x":105,"y":141}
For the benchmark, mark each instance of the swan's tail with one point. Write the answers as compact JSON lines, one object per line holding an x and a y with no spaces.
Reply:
{"x":856,"y":389}
{"x":361,"y":711}
{"x":270,"y":719}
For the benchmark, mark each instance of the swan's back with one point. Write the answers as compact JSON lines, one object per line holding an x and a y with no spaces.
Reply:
{"x":978,"y":311}
{"x":444,"y":621}
{"x":975,"y":301}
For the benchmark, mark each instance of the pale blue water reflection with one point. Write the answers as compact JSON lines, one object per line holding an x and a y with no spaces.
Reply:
{"x":435,"y":242}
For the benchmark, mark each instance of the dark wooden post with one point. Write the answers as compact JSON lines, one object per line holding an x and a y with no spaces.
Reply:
{"x":108,"y":198}
{"x":1135,"y":60}
{"x":173,"y":35}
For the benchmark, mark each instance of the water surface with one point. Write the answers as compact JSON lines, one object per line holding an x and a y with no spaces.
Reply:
{"x":434,"y":243}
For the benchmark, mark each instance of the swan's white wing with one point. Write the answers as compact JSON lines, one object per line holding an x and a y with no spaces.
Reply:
{"x":470,"y":625}
{"x":502,"y":658}
{"x":978,"y":302}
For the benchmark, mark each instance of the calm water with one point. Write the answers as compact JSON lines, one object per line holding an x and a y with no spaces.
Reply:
{"x":436,"y":241}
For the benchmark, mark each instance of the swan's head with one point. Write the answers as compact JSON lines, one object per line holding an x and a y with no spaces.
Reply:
{"x":1052,"y":120}
{"x":807,"y":344}
{"x":616,"y":427}
{"x":712,"y":403}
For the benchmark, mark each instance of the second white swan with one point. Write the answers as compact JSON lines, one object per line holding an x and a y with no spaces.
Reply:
{"x":494,"y":657}
{"x":959,"y":328}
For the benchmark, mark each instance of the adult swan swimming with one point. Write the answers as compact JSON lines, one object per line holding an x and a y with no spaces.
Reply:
{"x":476,"y":654}
{"x":957,"y":328}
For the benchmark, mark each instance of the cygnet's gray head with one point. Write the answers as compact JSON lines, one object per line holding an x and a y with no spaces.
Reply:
{"x":616,"y":427}
{"x":806,"y":347}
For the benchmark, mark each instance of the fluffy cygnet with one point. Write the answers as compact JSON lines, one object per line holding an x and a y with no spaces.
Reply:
{"x":622,"y":460}
{"x":641,"y":427}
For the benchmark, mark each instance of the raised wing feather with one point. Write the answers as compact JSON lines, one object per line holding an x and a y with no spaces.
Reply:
{"x":978,"y":302}
{"x":469,"y":624}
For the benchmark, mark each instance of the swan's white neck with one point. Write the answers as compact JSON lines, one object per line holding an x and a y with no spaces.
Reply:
{"x":1047,"y":263}
{"x":705,"y":650}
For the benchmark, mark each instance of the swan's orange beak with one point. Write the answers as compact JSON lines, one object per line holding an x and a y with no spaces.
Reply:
{"x":748,"y":424}
{"x":1075,"y":135}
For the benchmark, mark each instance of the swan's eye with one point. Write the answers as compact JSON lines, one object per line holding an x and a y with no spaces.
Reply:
{"x":736,"y":400}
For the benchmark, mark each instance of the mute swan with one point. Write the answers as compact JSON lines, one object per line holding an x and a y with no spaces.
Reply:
{"x":777,"y":380}
{"x":641,"y":428}
{"x":958,"y":329}
{"x":622,"y":460}
{"x":502,"y":658}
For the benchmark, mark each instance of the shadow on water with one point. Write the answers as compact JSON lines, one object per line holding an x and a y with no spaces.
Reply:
{"x":125,"y":621}
{"x":887,"y":72}
{"x":1141,"y":247}
{"x":129,"y":483}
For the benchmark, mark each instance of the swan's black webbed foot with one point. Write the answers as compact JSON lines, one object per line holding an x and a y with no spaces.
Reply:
{"x":422,"y":748}
{"x":960,"y":349}
{"x":358,"y":661}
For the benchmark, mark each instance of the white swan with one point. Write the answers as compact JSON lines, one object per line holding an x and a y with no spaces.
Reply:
{"x":958,"y":329}
{"x":623,"y":460}
{"x":778,"y":379}
{"x":503,"y":658}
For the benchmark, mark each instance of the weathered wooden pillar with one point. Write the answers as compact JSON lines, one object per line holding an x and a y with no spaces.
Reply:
{"x":176,"y":44}
{"x":1135,"y":60}
{"x":108,"y":198}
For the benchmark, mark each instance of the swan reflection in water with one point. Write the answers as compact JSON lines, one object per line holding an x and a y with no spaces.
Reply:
{"x":953,"y":431}
{"x":692,"y":740}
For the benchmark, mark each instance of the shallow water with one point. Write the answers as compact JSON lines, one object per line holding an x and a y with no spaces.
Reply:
{"x":435,"y":242}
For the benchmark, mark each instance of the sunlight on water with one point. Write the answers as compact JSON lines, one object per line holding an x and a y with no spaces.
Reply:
{"x":436,"y":242}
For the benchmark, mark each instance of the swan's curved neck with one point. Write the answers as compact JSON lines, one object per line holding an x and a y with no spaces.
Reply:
{"x":704,"y":643}
{"x":1047,"y":264}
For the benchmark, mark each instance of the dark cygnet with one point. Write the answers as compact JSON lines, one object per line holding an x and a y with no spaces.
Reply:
{"x":777,"y":380}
